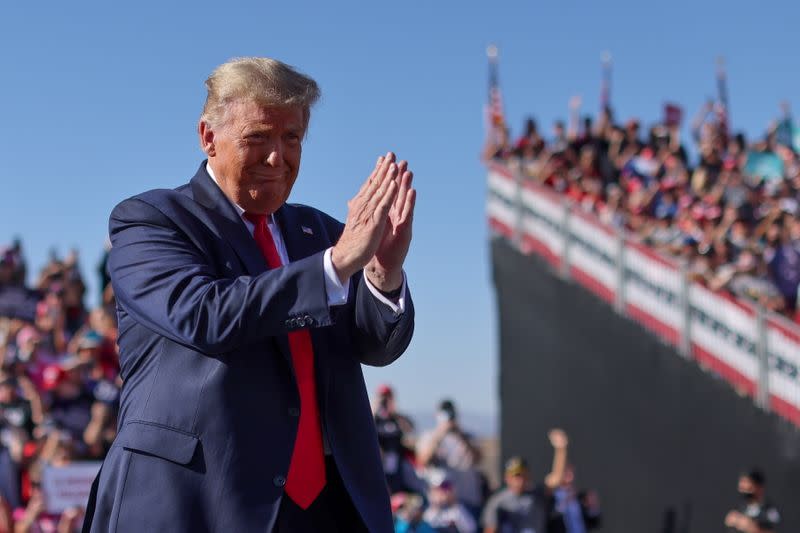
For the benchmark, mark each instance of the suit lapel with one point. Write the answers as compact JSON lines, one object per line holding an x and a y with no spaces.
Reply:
{"x":231,"y":228}
{"x":300,"y":236}
{"x":230,"y":225}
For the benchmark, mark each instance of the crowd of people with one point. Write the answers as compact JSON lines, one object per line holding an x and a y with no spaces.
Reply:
{"x":59,"y":391}
{"x":59,"y":386}
{"x":731,"y":215}
{"x":59,"y":397}
{"x":736,"y":229}
{"x":438,"y":484}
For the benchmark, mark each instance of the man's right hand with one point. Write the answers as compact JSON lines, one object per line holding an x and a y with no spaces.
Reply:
{"x":367,"y":215}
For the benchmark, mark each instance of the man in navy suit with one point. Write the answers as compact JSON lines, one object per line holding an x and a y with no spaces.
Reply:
{"x":243,"y":325}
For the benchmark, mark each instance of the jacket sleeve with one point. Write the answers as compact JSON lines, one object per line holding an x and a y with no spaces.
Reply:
{"x":381,"y":336}
{"x":164,"y":281}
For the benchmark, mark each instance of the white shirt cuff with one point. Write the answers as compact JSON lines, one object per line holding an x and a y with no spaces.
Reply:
{"x":335,"y":289}
{"x":398,"y":308}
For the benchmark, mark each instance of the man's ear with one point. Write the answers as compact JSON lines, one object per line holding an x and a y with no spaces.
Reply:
{"x":206,"y":138}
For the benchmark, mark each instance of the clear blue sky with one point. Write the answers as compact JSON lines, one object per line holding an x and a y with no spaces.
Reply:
{"x":100,"y":101}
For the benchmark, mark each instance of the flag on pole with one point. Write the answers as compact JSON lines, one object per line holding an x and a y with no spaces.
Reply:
{"x":722,"y":109}
{"x":495,"y":117}
{"x":605,"y":83}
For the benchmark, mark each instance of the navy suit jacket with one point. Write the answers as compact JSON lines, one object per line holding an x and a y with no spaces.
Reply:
{"x":209,"y":406}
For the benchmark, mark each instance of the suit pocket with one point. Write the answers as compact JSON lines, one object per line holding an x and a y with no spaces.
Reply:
{"x":162,"y":441}
{"x":163,"y":486}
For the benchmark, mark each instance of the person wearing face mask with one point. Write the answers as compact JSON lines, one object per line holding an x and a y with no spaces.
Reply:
{"x":755,"y":514}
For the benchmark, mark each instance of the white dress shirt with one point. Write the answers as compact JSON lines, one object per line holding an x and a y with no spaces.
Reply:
{"x":336,"y":290}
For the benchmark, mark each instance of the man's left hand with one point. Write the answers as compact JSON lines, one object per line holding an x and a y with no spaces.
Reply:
{"x":385,"y":269}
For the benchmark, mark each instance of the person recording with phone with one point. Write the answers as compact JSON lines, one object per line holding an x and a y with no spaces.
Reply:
{"x":448,"y":449}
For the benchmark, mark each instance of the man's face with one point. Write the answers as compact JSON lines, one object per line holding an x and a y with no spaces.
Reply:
{"x":750,"y":489}
{"x":387,"y":402}
{"x":517,"y":482}
{"x":255,"y":154}
{"x":569,"y":476}
{"x":442,"y":496}
{"x":6,"y":272}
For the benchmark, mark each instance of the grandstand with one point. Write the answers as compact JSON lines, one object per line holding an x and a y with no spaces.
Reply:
{"x":632,"y":314}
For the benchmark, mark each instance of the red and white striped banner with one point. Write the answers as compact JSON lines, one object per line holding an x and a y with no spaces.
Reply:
{"x":723,"y":332}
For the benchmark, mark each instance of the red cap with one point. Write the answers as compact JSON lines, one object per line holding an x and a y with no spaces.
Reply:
{"x":385,"y":390}
{"x":52,"y":376}
{"x":397,"y":500}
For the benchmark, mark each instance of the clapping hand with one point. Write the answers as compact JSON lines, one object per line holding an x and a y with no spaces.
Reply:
{"x":377,"y":232}
{"x":385,"y":268}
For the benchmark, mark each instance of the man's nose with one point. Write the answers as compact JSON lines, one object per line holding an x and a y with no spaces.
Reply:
{"x":274,"y":155}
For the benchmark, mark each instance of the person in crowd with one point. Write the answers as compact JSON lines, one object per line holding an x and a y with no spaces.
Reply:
{"x":755,"y":514}
{"x":449,"y":451}
{"x":579,"y":510}
{"x":739,"y":231}
{"x":10,"y":492}
{"x":408,"y":510}
{"x":70,"y":405}
{"x":530,"y":140}
{"x":395,"y":432}
{"x":498,"y":145}
{"x":16,"y":417}
{"x":523,"y":506}
{"x":748,"y":279}
{"x":13,"y":268}
{"x":57,"y":451}
{"x":444,"y":513}
{"x":6,"y":520}
{"x":59,"y":387}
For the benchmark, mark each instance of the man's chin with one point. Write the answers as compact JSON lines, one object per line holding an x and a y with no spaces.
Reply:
{"x":265,"y":202}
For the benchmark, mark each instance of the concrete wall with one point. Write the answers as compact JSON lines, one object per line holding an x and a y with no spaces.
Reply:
{"x":660,"y":439}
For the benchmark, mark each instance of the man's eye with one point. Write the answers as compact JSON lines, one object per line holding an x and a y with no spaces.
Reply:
{"x":254,"y":137}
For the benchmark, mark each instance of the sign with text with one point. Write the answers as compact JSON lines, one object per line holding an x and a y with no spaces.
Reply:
{"x":68,"y":486}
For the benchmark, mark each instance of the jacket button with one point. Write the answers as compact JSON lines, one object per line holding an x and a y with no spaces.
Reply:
{"x":294,"y":411}
{"x":279,"y":481}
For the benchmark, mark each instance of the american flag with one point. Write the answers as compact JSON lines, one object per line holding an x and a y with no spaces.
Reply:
{"x":495,"y":118}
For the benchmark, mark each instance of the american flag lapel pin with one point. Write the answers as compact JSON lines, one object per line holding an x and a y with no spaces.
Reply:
{"x":307,"y":230}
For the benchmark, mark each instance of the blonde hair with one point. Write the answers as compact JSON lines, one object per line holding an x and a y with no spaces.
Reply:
{"x":263,"y":80}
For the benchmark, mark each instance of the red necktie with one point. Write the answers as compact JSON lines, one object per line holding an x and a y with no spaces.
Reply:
{"x":306,"y":476}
